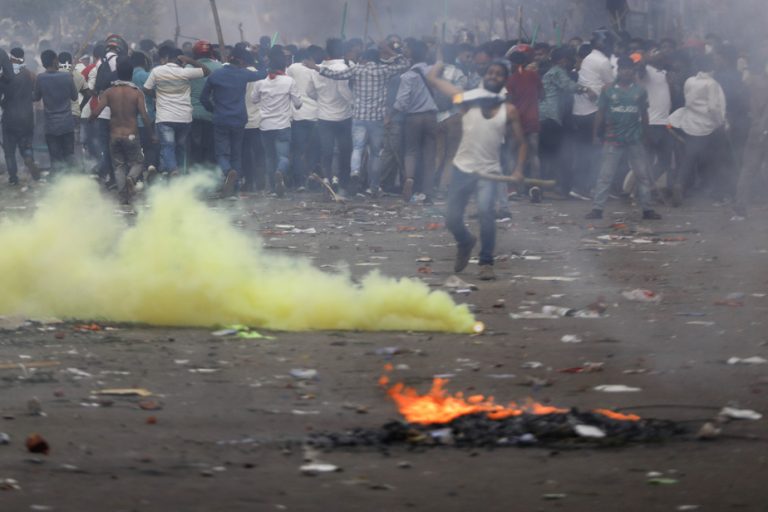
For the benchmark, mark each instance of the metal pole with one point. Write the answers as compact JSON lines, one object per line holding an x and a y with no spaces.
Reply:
{"x":178,"y":27}
{"x":219,"y":33}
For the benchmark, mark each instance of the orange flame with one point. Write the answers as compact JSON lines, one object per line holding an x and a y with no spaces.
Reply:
{"x":438,"y":406}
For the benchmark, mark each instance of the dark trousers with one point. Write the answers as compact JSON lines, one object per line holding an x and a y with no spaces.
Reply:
{"x":127,"y":161}
{"x":253,"y":160}
{"x":463,"y":186}
{"x":335,"y":134}
{"x":202,"y":150}
{"x":703,"y":155}
{"x":551,"y":154}
{"x":13,"y":140}
{"x":151,"y":149}
{"x":61,"y":149}
{"x":228,"y":143}
{"x":584,"y":155}
{"x":391,"y":161}
{"x":105,"y":159}
{"x":420,"y":148}
{"x":305,"y":151}
{"x":660,"y":144}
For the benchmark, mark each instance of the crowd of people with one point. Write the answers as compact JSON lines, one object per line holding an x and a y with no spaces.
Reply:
{"x":583,"y":120}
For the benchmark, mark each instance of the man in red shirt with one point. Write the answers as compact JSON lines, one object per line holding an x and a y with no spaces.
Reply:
{"x":524,"y":89}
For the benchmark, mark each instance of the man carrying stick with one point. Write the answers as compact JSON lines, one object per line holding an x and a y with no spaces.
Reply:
{"x":487,"y":121}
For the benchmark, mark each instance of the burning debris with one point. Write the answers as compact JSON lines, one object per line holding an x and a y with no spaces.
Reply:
{"x":438,"y":418}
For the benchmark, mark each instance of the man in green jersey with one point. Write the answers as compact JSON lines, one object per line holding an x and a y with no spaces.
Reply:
{"x":623,"y":119}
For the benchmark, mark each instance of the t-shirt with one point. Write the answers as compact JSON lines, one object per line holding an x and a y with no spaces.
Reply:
{"x":224,"y":94}
{"x":623,"y":107}
{"x":659,"y":96}
{"x":57,"y":90}
{"x":173,"y":91}
{"x":277,"y":97}
{"x":524,"y":88}
{"x":198,"y":110}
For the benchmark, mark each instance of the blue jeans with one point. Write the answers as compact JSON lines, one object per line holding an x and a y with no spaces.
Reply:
{"x":638,"y":160}
{"x":462,"y":186}
{"x":277,"y":150}
{"x":371,"y":133}
{"x":173,"y":142}
{"x":228,"y":146}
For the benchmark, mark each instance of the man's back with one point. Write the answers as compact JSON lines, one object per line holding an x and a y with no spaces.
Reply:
{"x":57,"y":90}
{"x":124,"y":100}
{"x":334,"y":98}
{"x":196,"y":89}
{"x":17,"y":101}
{"x":173,"y":92}
{"x":228,"y":85}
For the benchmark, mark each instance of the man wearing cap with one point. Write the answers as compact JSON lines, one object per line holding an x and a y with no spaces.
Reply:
{"x":170,"y":83}
{"x":224,"y":96}
{"x":202,"y":148}
{"x":18,"y":118}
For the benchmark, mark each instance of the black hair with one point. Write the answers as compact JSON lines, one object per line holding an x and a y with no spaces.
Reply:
{"x":584,"y":50}
{"x":560,"y":53}
{"x":464,"y":47}
{"x":371,"y":55}
{"x":65,"y":58}
{"x":703,"y":63}
{"x":17,"y":52}
{"x":277,"y":59}
{"x":292,"y":48}
{"x":335,"y":48}
{"x":48,"y":58}
{"x":316,"y":53}
{"x":168,"y":52}
{"x":146,"y":45}
{"x":265,"y":42}
{"x":624,"y":63}
{"x":99,"y":50}
{"x":141,"y":60}
{"x":519,"y":59}
{"x":124,"y":68}
{"x":501,"y":63}
{"x":419,"y":51}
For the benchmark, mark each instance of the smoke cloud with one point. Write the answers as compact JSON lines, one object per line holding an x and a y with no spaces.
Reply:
{"x":183,"y":264}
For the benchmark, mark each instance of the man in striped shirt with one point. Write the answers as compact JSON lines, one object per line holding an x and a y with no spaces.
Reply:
{"x":369,"y":86}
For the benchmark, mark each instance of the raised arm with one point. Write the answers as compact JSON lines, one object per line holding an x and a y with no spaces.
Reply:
{"x":444,"y":86}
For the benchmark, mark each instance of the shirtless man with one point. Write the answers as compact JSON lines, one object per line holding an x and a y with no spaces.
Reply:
{"x":126,"y":101}
{"x":487,"y":121}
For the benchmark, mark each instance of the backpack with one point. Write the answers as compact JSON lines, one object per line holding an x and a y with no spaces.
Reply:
{"x":444,"y":103}
{"x":104,"y":76}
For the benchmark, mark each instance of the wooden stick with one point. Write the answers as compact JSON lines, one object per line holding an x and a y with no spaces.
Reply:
{"x":328,"y":188}
{"x":520,"y":23}
{"x":344,"y":20}
{"x":504,"y":18}
{"x":531,"y":182}
{"x":376,"y":20}
{"x":367,"y":20}
{"x":219,"y":33}
{"x":84,"y":44}
{"x":178,"y":27}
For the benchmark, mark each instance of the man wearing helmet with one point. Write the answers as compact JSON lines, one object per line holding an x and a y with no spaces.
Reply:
{"x":202,"y":148}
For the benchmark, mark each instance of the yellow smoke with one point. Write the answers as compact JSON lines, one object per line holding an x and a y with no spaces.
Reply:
{"x":183,"y":264}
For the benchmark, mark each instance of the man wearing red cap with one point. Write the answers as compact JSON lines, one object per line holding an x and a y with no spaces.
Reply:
{"x":202,"y":148}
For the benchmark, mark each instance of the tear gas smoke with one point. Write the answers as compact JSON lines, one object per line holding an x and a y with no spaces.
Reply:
{"x":183,"y":264}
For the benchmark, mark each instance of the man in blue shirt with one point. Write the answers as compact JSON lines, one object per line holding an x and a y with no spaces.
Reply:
{"x":224,"y":95}
{"x":57,"y":90}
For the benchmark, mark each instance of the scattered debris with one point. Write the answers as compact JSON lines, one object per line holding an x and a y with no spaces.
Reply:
{"x":303,"y":374}
{"x":124,"y":392}
{"x":36,"y":444}
{"x":9,"y":484}
{"x":640,"y":295}
{"x":708,"y":431}
{"x":455,"y":283}
{"x":748,"y":360}
{"x":571,"y":338}
{"x":739,"y":414}
{"x":5,"y":439}
{"x":589,"y":431}
{"x":616,"y":388}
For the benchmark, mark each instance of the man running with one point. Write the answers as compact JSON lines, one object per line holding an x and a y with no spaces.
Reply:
{"x":126,"y":102}
{"x":487,"y":121}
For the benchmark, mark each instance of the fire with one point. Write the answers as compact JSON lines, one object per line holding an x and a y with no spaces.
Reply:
{"x":438,"y":406}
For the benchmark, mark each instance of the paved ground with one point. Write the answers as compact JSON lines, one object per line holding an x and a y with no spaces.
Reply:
{"x":225,"y":437}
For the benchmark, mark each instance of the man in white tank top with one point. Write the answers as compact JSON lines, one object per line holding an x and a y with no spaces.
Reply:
{"x":487,"y":121}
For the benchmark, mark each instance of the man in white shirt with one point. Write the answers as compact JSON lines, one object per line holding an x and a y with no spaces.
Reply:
{"x":170,"y":83}
{"x":334,"y":114}
{"x":305,"y":147}
{"x":702,"y":121}
{"x":277,"y":96}
{"x":659,"y":142}
{"x":596,"y":72}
